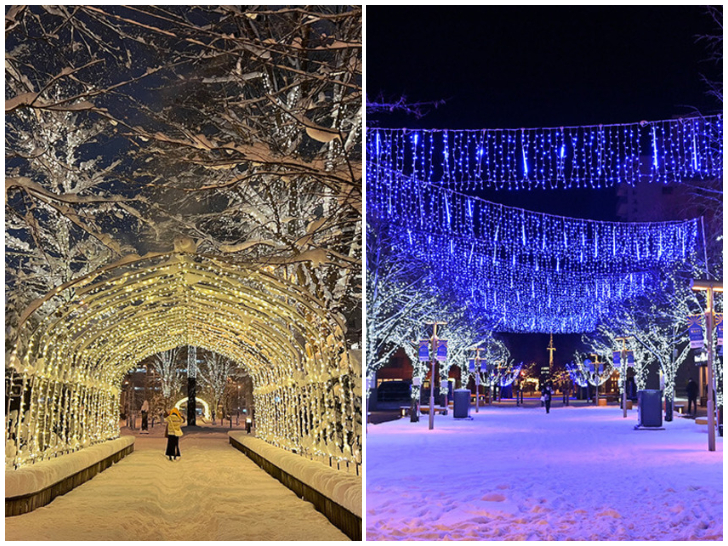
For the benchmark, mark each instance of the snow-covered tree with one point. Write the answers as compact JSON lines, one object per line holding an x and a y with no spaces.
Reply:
{"x":214,"y":377}
{"x":166,"y":367}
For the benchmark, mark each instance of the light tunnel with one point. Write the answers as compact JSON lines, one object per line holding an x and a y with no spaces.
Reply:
{"x":67,"y":369}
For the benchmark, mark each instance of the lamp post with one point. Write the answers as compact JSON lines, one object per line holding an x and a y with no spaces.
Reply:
{"x":477,"y":360}
{"x":596,"y":379}
{"x":433,"y":363}
{"x":623,"y":372}
{"x":710,"y":288}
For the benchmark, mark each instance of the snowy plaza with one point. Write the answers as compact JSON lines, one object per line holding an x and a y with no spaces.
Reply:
{"x":550,"y":231}
{"x":514,"y":473}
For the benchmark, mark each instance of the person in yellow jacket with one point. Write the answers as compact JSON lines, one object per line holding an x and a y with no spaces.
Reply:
{"x":174,"y":431}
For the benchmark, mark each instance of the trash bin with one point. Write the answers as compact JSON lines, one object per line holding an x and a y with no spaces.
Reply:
{"x":650,"y":408}
{"x":461,"y":403}
{"x":248,"y":424}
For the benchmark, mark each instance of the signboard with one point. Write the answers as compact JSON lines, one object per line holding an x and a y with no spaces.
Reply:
{"x":589,"y":365}
{"x":441,"y":354}
{"x":617,"y":359}
{"x":630,"y":359}
{"x":471,"y":365}
{"x":424,"y":350}
{"x":416,"y":381}
{"x":719,"y":328}
{"x":695,"y":331}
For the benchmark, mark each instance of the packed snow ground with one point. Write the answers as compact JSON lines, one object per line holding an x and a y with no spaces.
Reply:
{"x":213,"y":492}
{"x":579,"y":473}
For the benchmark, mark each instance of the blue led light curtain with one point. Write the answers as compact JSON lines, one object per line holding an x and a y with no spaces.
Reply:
{"x":558,"y":157}
{"x":524,"y":271}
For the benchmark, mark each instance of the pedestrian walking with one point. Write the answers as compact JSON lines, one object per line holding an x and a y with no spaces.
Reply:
{"x":546,"y":394}
{"x":567,"y":391}
{"x":173,"y":433}
{"x":145,"y":417}
{"x":692,"y":390}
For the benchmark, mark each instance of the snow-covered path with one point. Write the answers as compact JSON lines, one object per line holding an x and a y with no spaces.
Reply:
{"x":213,"y":492}
{"x":517,"y":474}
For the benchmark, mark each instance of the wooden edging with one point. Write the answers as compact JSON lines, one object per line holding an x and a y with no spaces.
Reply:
{"x":348,"y":522}
{"x":23,"y":504}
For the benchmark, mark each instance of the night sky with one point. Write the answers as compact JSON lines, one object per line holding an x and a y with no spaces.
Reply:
{"x":535,"y":66}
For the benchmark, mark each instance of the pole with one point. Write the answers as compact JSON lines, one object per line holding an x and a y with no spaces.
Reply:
{"x":432,"y":394}
{"x":624,"y":383}
{"x":711,"y":415}
{"x":477,"y":387}
{"x":433,"y":348}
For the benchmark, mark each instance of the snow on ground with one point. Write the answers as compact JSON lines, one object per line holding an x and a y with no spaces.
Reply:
{"x":579,"y":473}
{"x":213,"y":492}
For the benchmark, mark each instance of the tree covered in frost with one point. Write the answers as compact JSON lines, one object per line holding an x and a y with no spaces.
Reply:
{"x":167,"y":370}
{"x":232,"y":131}
{"x":214,"y":375}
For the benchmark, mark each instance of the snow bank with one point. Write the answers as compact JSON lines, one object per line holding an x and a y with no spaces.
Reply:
{"x":41,"y":475}
{"x":344,"y":489}
{"x":578,"y":473}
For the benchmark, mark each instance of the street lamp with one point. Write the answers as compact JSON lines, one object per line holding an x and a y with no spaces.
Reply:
{"x":433,"y":357}
{"x":709,"y":287}
{"x":596,"y":378}
{"x":476,"y":367}
{"x":623,"y":371}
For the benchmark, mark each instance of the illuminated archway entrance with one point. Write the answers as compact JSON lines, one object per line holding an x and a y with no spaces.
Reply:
{"x":199,"y":400}
{"x":67,"y":368}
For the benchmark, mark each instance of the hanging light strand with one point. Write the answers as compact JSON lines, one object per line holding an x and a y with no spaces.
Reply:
{"x":595,"y":156}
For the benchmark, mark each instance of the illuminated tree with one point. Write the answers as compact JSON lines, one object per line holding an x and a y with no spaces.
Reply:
{"x":165,"y":366}
{"x":214,"y":375}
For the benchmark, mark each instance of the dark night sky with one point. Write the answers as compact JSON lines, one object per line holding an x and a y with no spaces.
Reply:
{"x":536,"y":66}
{"x":516,"y":66}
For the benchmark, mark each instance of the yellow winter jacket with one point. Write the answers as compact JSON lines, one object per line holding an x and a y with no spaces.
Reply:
{"x":174,"y":424}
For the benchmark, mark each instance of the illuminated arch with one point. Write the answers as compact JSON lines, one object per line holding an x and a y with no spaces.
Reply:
{"x":69,"y":365}
{"x":199,"y":400}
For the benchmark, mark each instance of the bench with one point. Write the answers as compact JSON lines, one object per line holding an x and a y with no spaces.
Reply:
{"x":701,"y":421}
{"x":426,"y":409}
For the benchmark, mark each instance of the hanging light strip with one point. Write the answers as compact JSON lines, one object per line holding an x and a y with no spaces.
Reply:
{"x":519,"y":298}
{"x":494,"y":235}
{"x":594,"y":156}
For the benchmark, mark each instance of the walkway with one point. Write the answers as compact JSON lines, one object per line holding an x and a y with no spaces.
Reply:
{"x":213,"y":492}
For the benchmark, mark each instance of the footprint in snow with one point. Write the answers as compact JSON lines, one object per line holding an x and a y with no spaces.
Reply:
{"x":493,"y":497}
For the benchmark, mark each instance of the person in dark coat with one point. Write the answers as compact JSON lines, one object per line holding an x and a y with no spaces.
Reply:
{"x":567,"y":391}
{"x":692,"y":390}
{"x":546,"y":395}
{"x":145,"y":417}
